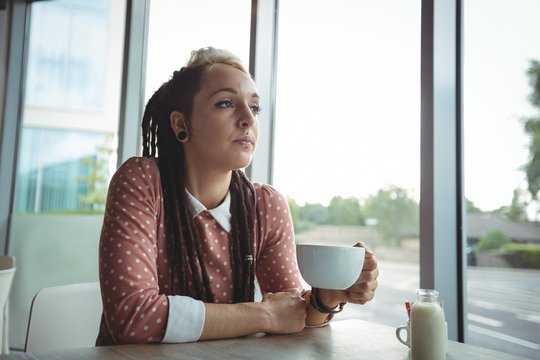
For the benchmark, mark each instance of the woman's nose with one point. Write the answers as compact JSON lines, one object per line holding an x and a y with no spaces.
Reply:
{"x":247,"y":118}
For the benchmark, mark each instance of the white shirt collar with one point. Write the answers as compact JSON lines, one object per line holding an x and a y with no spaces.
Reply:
{"x":222,"y":213}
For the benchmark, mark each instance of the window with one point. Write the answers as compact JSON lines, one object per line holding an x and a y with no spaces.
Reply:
{"x":347,"y":137}
{"x":67,"y":68}
{"x":175,"y":30}
{"x":503,"y":239}
{"x":51,"y":179}
{"x":67,"y":146}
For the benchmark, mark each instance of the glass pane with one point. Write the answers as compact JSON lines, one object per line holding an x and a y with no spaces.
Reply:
{"x":67,"y":70}
{"x":347,"y":136}
{"x":503,"y":235}
{"x":53,"y":180}
{"x":178,"y":27}
{"x":67,"y":146}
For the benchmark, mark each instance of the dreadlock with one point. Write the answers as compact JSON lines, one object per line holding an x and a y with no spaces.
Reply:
{"x":159,"y":140}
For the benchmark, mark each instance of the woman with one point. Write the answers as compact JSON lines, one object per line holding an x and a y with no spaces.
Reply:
{"x":185,"y":232}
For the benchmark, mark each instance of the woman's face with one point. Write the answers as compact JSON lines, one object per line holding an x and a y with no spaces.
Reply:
{"x":224,"y":128}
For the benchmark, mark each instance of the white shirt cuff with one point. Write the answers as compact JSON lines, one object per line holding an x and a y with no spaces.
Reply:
{"x":186,"y":320}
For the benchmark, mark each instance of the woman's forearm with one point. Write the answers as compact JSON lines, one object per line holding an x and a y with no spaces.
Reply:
{"x":279,"y":313}
{"x":233,"y":320}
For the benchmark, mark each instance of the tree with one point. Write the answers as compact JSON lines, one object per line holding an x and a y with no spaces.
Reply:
{"x":396,"y":212}
{"x":299,"y":225}
{"x":295,"y":210}
{"x":517,"y":211}
{"x":494,"y":239}
{"x":98,"y":177}
{"x":532,"y":129}
{"x":345,"y":211}
{"x":471,"y":208}
{"x":314,"y":213}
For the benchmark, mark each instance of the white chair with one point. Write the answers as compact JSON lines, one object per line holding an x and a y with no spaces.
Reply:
{"x":7,"y":271}
{"x":64,"y":317}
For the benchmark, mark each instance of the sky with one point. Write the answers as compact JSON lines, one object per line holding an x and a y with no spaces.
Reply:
{"x":360,"y":119}
{"x":348,"y":99}
{"x":496,"y":55}
{"x":348,"y":89}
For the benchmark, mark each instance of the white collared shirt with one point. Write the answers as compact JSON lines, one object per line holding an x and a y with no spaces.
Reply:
{"x":187,"y":315}
{"x":222,"y":213}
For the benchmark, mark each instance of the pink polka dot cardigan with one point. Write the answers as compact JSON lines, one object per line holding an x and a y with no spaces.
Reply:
{"x":138,"y":305}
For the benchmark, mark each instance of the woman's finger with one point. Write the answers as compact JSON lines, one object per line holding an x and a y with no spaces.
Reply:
{"x":370,"y":263}
{"x":363,"y":287}
{"x":369,"y":253}
{"x":267,"y":295}
{"x":366,"y":276}
{"x":293,"y":291}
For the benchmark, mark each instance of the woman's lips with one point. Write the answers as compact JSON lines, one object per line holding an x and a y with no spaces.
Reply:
{"x":244,"y":141}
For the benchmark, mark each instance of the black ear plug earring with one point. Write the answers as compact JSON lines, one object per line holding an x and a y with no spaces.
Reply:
{"x":182,"y":135}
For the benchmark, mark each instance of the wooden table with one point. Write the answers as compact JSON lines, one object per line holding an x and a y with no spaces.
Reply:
{"x":341,"y":340}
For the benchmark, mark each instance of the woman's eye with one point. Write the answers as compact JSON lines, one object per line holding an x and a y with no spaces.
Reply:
{"x":255,"y":109}
{"x":225,"y":104}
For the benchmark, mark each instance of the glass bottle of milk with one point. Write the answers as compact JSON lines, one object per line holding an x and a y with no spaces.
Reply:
{"x":428,"y":327}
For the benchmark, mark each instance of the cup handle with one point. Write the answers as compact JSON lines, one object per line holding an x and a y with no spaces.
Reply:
{"x":399,"y":330}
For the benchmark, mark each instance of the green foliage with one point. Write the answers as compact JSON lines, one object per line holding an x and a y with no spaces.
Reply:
{"x":294,"y":209}
{"x":532,"y":168}
{"x":99,"y":176}
{"x":517,"y":211}
{"x":492,"y":240}
{"x":532,"y":129}
{"x":522,"y":255}
{"x":299,"y":225}
{"x":396,"y":212}
{"x":471,"y":208}
{"x":315,"y":214}
{"x":534,"y":80}
{"x":345,"y":211}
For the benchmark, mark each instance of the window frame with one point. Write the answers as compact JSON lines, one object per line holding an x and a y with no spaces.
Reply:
{"x":133,"y":79}
{"x":262,"y":64}
{"x":442,"y":224}
{"x":16,"y":18}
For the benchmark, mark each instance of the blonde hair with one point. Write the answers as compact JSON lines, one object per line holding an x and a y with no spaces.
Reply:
{"x":208,"y":57}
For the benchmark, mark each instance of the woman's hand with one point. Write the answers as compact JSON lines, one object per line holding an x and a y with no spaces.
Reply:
{"x":362,"y":291}
{"x":286,"y":311}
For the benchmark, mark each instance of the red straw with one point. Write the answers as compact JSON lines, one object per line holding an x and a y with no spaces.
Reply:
{"x":408,"y":307}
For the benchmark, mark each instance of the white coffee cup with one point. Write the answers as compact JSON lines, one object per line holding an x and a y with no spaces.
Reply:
{"x":407,"y":330}
{"x":330,"y":266}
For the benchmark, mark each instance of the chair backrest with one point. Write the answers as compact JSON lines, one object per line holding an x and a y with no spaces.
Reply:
{"x":7,"y":271}
{"x":6,"y":262}
{"x":64,"y":317}
{"x":6,"y":278}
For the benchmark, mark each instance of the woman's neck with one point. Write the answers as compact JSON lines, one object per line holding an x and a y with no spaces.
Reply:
{"x":209,"y":188}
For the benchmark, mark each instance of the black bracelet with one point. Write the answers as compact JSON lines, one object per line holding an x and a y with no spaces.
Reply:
{"x":318,"y":305}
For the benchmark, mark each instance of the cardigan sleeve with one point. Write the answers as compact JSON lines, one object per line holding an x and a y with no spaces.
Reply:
{"x":133,"y":308}
{"x":277,"y":268}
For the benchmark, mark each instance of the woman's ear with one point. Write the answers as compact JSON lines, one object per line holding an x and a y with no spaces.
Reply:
{"x":179,"y":126}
